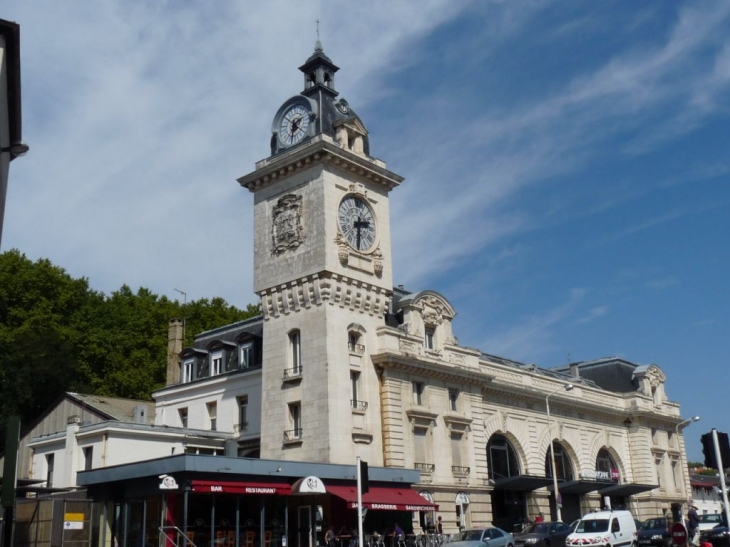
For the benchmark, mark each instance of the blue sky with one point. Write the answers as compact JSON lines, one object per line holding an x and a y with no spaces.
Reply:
{"x":566,"y":162}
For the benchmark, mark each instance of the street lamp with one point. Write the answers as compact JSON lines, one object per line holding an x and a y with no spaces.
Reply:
{"x":676,"y":436}
{"x":566,"y":387}
{"x":16,"y":149}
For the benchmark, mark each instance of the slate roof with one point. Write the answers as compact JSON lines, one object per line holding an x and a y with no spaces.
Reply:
{"x":114,"y":408}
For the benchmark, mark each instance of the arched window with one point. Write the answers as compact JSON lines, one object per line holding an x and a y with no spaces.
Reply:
{"x":354,"y":342}
{"x":562,"y":463}
{"x":604,"y":461}
{"x":295,"y":351}
{"x":501,"y":458}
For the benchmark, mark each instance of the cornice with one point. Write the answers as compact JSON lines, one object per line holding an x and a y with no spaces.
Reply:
{"x":453,"y":373}
{"x":319,"y":150}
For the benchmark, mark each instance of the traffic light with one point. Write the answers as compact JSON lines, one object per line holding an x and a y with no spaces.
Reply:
{"x":708,"y":449}
{"x":364,"y":481}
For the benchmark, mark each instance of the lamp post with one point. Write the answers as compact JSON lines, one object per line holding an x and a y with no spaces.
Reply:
{"x":566,"y":387}
{"x":681,"y":459}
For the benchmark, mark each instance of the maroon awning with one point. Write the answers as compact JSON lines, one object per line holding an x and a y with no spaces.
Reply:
{"x":223,"y":487}
{"x":384,"y":498}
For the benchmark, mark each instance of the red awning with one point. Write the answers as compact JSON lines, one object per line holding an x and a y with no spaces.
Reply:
{"x":384,"y":498}
{"x":221,"y":487}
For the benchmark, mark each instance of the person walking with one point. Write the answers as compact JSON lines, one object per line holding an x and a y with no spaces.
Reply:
{"x":693,"y":525}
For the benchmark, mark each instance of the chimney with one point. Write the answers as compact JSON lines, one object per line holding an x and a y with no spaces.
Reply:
{"x":140,"y":414}
{"x":574,"y":372}
{"x":174,"y":347}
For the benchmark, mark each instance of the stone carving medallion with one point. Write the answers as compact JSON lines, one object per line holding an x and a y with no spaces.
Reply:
{"x":432,"y":311}
{"x":286,"y":231}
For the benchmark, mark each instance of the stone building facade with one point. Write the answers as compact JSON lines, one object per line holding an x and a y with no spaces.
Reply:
{"x":348,"y":365}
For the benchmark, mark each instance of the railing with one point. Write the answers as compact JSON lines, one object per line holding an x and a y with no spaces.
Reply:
{"x":356,"y":348}
{"x":424,"y":467}
{"x":293,"y":435}
{"x":174,"y":534}
{"x":292,"y":373}
{"x":359,"y":405}
{"x":459,"y":470}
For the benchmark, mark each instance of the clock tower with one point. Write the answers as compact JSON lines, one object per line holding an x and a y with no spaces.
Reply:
{"x":323,"y":273}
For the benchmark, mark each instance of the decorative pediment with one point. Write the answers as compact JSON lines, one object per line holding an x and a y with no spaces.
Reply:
{"x":421,"y":417}
{"x":434,"y":309}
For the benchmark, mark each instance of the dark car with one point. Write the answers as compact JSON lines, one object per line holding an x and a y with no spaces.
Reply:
{"x":543,"y":534}
{"x":719,"y":536}
{"x":654,"y":532}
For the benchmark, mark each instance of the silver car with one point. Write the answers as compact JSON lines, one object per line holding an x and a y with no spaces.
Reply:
{"x":483,"y":537}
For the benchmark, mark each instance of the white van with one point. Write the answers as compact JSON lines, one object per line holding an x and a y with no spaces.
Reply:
{"x":604,"y":529}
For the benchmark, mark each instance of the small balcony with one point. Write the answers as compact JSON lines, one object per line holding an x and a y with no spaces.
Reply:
{"x":357,"y":349}
{"x":460,"y":471}
{"x":292,"y":374}
{"x":424,"y":467}
{"x":361,"y":406}
{"x":293,"y":436}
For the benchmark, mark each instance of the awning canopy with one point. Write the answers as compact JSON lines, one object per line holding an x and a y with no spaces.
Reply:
{"x":223,"y":487}
{"x":522,"y":483}
{"x":581,"y":486}
{"x":627,"y":489}
{"x":384,"y":498}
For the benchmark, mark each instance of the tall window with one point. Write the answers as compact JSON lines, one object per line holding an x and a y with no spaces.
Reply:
{"x":675,"y":473}
{"x":295,"y":419}
{"x":243,"y":412}
{"x":418,"y":393}
{"x":187,"y":371}
{"x":88,"y":458}
{"x":212,"y":415}
{"x":420,"y":449}
{"x":354,"y":342}
{"x":216,"y":363}
{"x":456,"y":459}
{"x":183,"y":413}
{"x":658,"y":460}
{"x":354,"y":381}
{"x":246,"y":355}
{"x":429,"y":333}
{"x":295,"y":351}
{"x":453,"y":399}
{"x":50,"y":462}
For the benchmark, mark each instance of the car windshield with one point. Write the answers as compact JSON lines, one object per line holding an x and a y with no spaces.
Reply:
{"x":654,"y":524}
{"x":470,"y":535}
{"x":593,"y":525}
{"x":540,"y":528}
{"x":710,"y":518}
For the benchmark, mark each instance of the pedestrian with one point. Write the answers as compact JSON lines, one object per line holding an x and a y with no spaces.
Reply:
{"x":693,"y":525}
{"x":539,"y":517}
{"x":439,"y":526}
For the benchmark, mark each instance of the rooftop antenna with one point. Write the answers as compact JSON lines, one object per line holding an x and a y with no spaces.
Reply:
{"x":318,"y":45}
{"x":185,"y":301}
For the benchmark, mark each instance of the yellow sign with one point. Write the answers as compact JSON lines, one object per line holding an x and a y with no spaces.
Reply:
{"x":73,"y":517}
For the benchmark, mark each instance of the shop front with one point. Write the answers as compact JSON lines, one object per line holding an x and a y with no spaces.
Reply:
{"x":217,"y":501}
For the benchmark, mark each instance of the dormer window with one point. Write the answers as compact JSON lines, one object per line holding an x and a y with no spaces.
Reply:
{"x":216,"y":363}
{"x":428,"y":337}
{"x":188,"y":368}
{"x":245,"y":357}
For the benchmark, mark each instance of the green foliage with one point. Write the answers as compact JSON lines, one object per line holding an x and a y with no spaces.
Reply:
{"x":58,"y":335}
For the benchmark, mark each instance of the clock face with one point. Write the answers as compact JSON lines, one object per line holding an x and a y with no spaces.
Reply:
{"x":294,"y":124}
{"x":357,"y":223}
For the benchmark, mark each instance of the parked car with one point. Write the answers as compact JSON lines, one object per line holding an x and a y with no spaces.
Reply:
{"x":719,"y":536}
{"x":543,"y":534}
{"x":483,"y":537}
{"x":604,"y":529}
{"x":655,"y":532}
{"x":709,"y":521}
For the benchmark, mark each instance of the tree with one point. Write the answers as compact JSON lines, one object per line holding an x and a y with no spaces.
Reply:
{"x":58,"y":335}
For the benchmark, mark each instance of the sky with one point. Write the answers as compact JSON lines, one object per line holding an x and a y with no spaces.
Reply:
{"x":566,"y":163}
